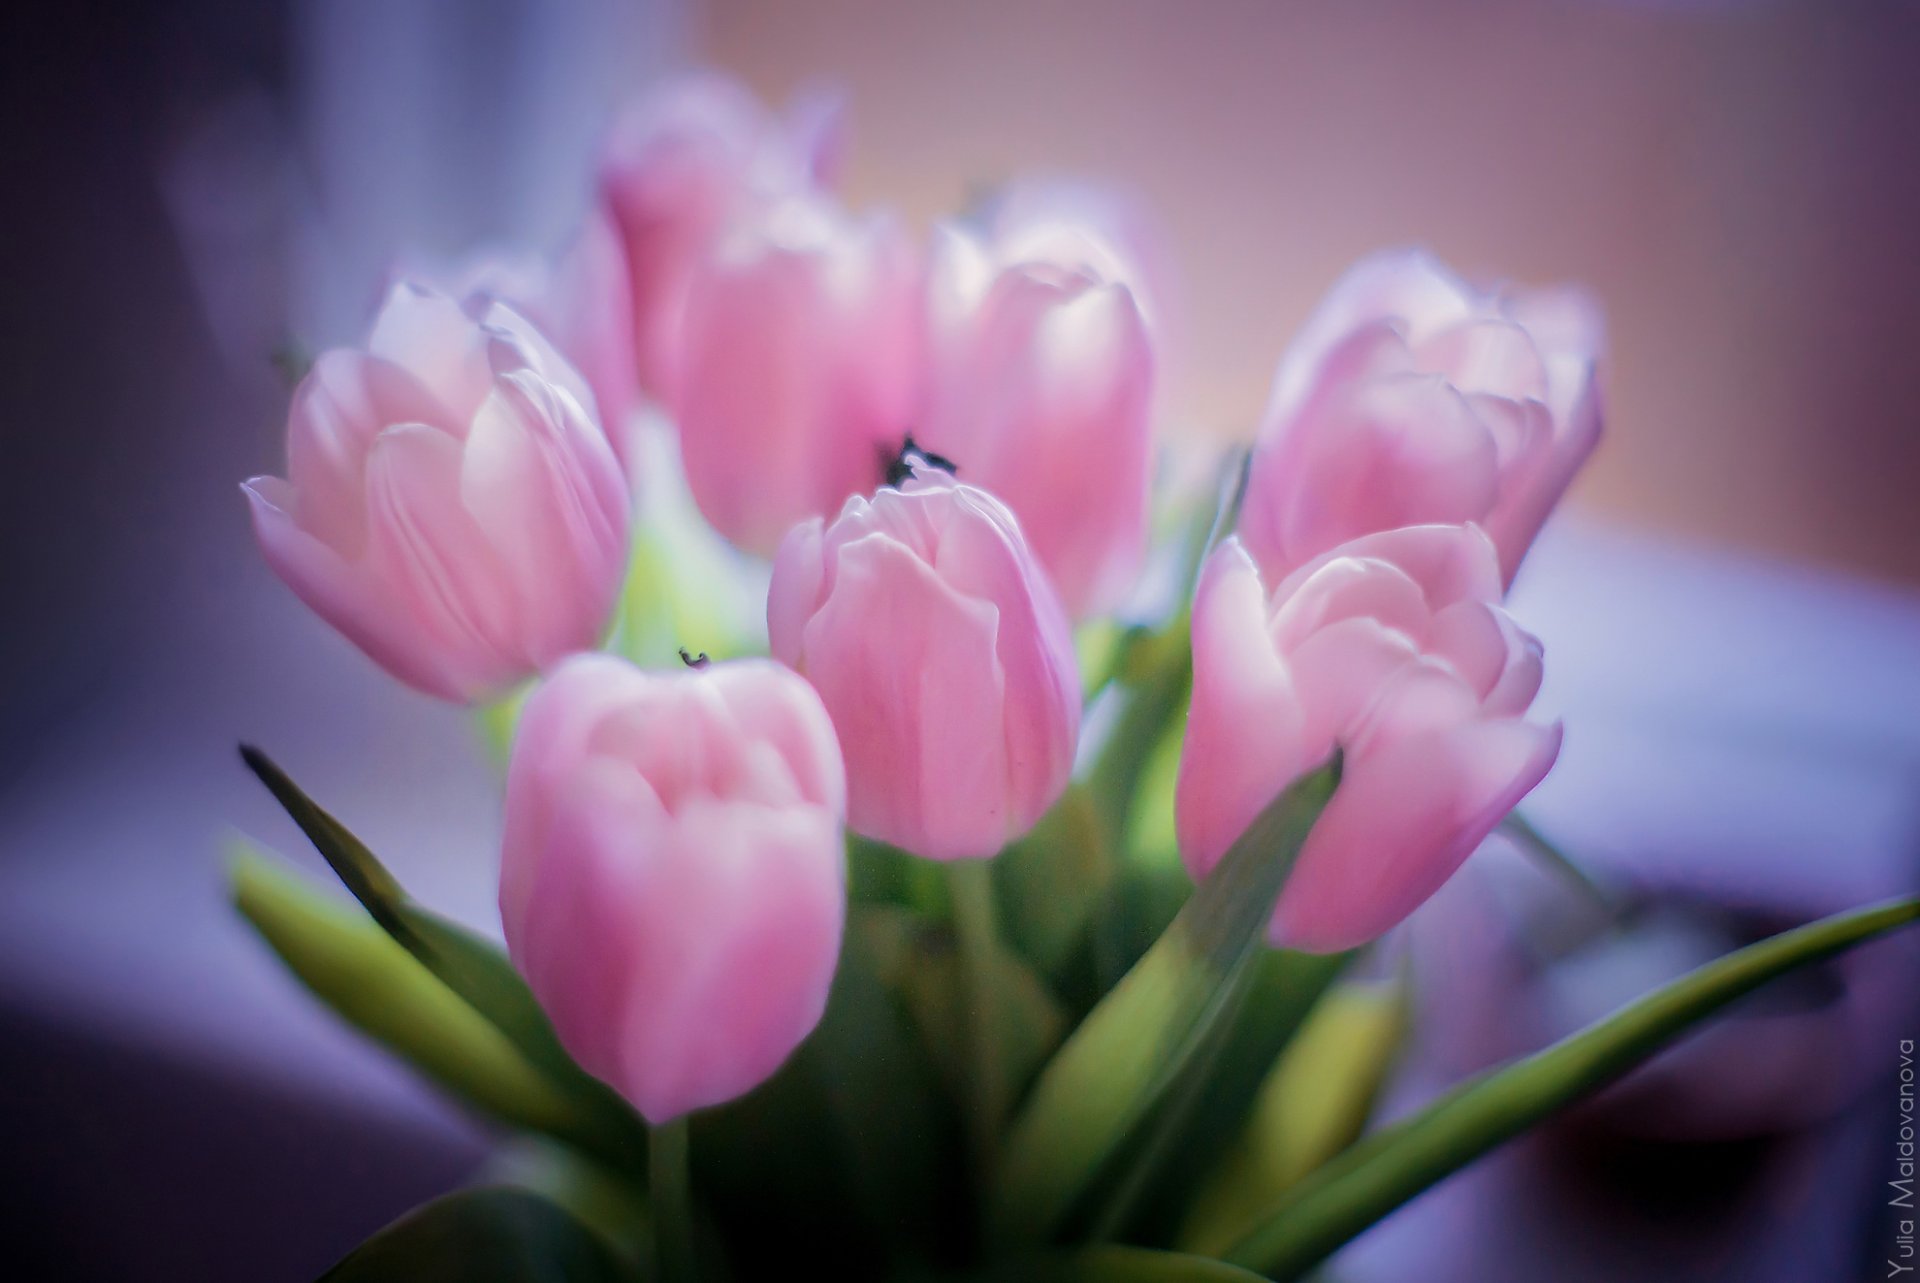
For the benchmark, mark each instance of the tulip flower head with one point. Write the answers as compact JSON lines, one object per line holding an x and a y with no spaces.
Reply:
{"x":450,"y":505}
{"x":580,"y":299}
{"x":1041,"y":383}
{"x":673,"y":882}
{"x":944,"y":657}
{"x":1411,"y":398}
{"x":678,"y":169}
{"x":801,"y":365}
{"x":1391,"y":649}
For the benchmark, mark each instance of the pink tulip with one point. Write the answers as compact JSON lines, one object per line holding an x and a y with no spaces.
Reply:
{"x":580,"y":300}
{"x":944,"y":657}
{"x":1389,"y":648}
{"x":1089,"y":225}
{"x":801,"y":368}
{"x":673,"y":880}
{"x":451,"y":505}
{"x":1041,"y":387}
{"x":1410,"y":398}
{"x":678,"y":169}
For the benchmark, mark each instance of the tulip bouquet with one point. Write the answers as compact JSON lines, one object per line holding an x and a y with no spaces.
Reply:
{"x":1013,"y":905}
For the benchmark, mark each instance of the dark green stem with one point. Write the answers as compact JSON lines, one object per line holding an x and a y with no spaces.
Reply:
{"x":976,"y":936}
{"x":670,"y":1186}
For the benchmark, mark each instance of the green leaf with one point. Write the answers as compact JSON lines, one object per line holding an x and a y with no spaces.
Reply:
{"x":1104,"y":1084}
{"x":1192,"y":1131}
{"x":495,"y":1235}
{"x":918,"y":961}
{"x":1365,"y":1183}
{"x":375,"y":985}
{"x":1048,"y":884}
{"x":1154,"y":679}
{"x":1117,"y":1265}
{"x":1313,"y":1104}
{"x":852,"y":1148}
{"x":473,"y":967}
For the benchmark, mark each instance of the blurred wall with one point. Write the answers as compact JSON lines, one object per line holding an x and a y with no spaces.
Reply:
{"x":1739,"y":181}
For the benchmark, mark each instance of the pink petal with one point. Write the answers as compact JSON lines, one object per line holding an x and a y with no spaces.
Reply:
{"x":543,"y":484}
{"x":1400,"y":823}
{"x":434,"y":561}
{"x":344,"y":594}
{"x":1486,"y":355}
{"x":908,"y":669}
{"x":796,"y":590}
{"x":1244,"y":739}
{"x":428,"y":334}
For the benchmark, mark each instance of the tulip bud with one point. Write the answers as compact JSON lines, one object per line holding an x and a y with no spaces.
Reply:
{"x":580,"y":301}
{"x":1041,"y":386}
{"x":801,"y":366}
{"x":672,"y":881}
{"x":1410,"y":399}
{"x":678,"y":168}
{"x":1390,"y":649}
{"x":944,"y":657}
{"x":450,"y":503}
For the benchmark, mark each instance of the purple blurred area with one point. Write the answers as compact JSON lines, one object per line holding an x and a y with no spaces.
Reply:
{"x":196,"y":184}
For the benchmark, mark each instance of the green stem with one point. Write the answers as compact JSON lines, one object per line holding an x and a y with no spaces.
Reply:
{"x":671,"y":1189}
{"x":1548,"y":853}
{"x":977,"y":937}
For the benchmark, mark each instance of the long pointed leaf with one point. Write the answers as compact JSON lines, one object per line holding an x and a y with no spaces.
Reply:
{"x":1191,"y":1133}
{"x":1361,"y":1186}
{"x":375,"y":985}
{"x":496,"y":1235}
{"x":1105,"y":1082}
{"x":473,"y":967}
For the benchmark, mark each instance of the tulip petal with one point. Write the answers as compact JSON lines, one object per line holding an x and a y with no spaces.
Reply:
{"x":339,"y":592}
{"x":909,"y":671}
{"x":798,"y":584}
{"x":434,"y":559}
{"x":426,"y":332}
{"x":980,"y":555}
{"x":1399,"y":825}
{"x":545,"y":489}
{"x":1486,"y":355}
{"x":736,"y":920}
{"x":1245,"y":738}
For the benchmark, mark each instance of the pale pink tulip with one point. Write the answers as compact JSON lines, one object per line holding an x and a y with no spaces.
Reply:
{"x":1041,"y":389}
{"x":944,"y":657}
{"x":672,"y":881}
{"x":1391,"y":649}
{"x":1412,"y":398}
{"x":451,"y":505}
{"x":802,"y":362}
{"x":579,"y":299}
{"x":678,"y":168}
{"x":1076,"y":223}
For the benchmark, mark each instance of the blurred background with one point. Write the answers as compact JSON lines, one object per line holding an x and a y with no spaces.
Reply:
{"x":1729,"y":606}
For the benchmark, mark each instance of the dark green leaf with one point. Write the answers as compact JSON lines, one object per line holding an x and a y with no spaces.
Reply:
{"x":497,"y":1235}
{"x":1117,"y":1265}
{"x":473,"y":967}
{"x":1193,"y":1129}
{"x":1314,"y":1104}
{"x":1365,"y":1183}
{"x":852,"y":1148}
{"x":1048,"y":884}
{"x":1105,"y":1084}
{"x":918,"y":962}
